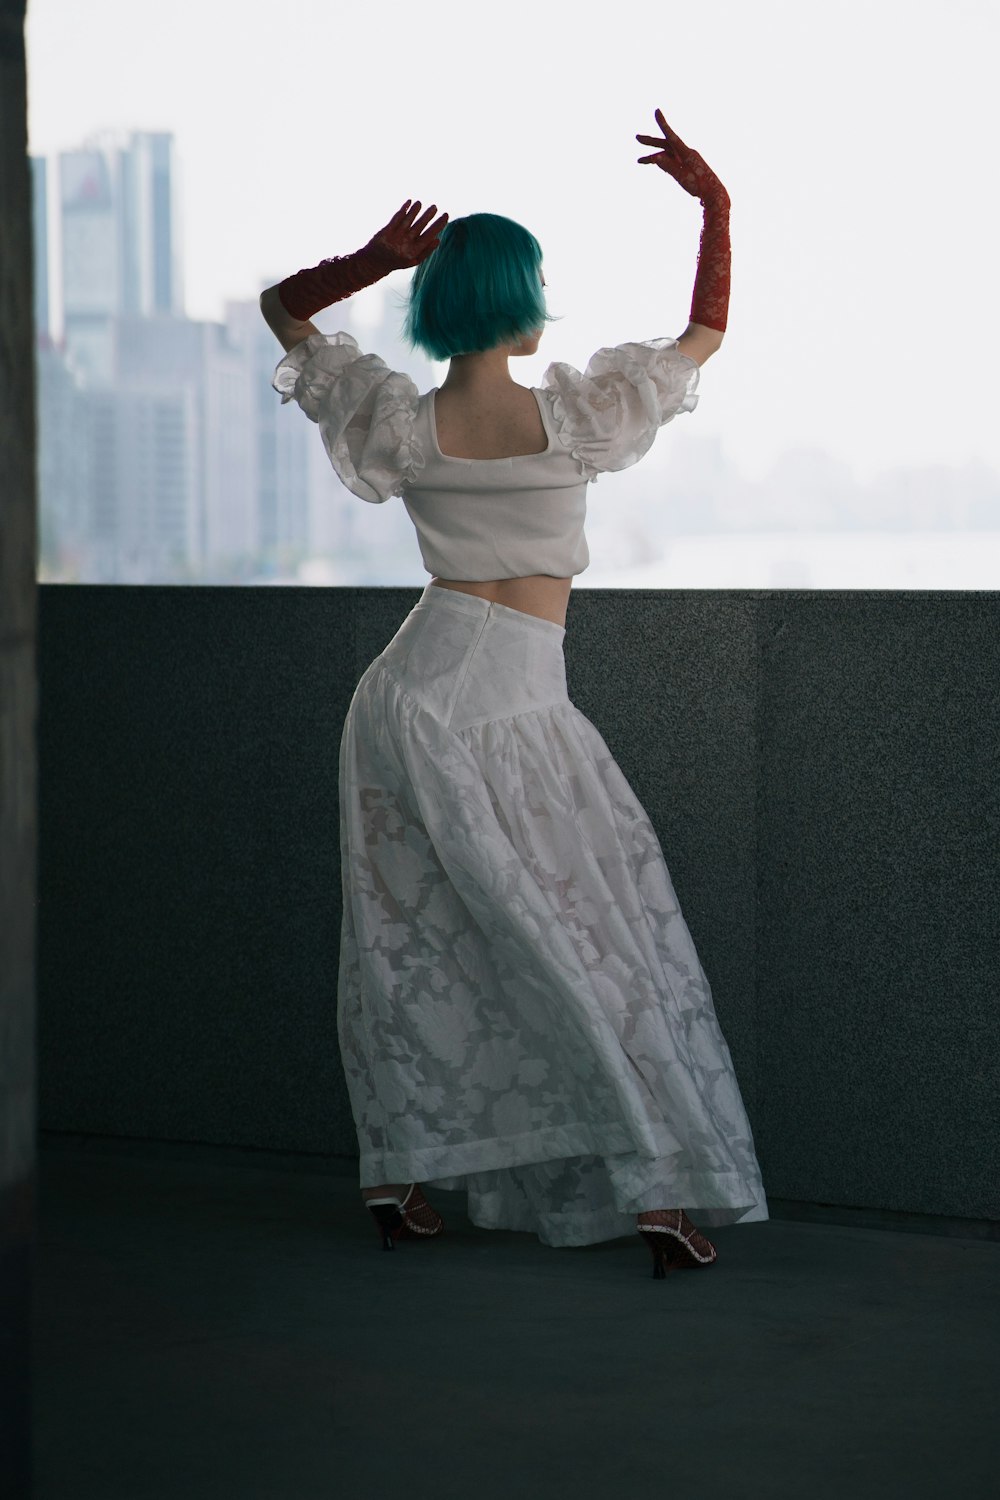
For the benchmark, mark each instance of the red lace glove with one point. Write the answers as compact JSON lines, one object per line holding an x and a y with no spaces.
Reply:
{"x":710,"y":302}
{"x":405,"y":241}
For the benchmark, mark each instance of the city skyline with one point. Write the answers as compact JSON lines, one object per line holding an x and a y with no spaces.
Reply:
{"x":863,"y":301}
{"x":117,"y":259}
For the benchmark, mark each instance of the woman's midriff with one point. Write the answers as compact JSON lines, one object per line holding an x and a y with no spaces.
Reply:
{"x":539,"y":594}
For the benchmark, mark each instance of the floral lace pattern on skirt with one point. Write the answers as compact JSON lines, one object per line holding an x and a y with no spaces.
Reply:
{"x":521,"y":1011}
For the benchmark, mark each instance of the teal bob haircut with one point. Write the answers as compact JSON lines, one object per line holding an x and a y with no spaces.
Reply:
{"x":481,"y":287}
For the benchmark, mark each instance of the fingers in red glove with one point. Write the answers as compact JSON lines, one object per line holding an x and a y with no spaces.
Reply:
{"x":405,"y":241}
{"x":710,"y":299}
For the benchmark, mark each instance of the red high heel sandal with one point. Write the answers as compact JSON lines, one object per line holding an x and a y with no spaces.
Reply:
{"x":677,"y":1246}
{"x":410,"y":1216}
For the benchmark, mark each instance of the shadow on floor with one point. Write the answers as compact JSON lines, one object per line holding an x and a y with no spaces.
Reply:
{"x":207,"y":1330}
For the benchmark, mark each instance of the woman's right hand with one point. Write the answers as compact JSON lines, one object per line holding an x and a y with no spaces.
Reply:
{"x":683,"y":164}
{"x":406,"y":238}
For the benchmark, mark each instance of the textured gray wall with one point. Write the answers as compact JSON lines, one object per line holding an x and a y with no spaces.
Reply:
{"x":18,"y":808}
{"x":821,"y":768}
{"x":878,"y":965}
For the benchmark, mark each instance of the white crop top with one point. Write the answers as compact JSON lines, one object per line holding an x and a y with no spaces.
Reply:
{"x":485,"y":518}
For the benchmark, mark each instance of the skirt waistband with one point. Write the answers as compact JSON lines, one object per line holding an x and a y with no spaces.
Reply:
{"x":468,"y":660}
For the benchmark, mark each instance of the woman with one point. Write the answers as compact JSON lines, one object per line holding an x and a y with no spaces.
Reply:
{"x":521,"y":1010}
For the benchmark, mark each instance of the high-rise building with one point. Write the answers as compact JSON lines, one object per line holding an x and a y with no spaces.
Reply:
{"x":191,"y":461}
{"x":280,"y":449}
{"x":151,"y":263}
{"x":138,"y":458}
{"x":40,"y":232}
{"x":120,"y":242}
{"x":166,"y":453}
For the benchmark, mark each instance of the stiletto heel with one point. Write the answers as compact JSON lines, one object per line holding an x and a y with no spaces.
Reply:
{"x":389,"y":1219}
{"x":394,"y":1217}
{"x":656,"y":1250}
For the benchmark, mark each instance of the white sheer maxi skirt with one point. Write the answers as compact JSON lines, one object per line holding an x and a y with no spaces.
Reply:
{"x":521,"y":1011}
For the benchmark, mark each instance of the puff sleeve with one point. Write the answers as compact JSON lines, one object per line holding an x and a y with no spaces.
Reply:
{"x":365,"y":412}
{"x":609,"y":416}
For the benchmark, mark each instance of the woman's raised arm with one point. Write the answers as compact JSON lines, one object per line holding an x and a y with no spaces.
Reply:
{"x":286,"y":329}
{"x":710,"y":299}
{"x":405,"y":241}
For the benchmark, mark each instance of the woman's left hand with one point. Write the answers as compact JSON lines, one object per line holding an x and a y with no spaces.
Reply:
{"x":408,"y":238}
{"x":683,"y":164}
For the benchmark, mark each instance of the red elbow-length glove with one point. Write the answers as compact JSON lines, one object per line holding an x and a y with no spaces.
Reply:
{"x":405,"y":241}
{"x":710,"y":302}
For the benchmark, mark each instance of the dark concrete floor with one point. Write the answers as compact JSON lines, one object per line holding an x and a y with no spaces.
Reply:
{"x":205,"y":1329}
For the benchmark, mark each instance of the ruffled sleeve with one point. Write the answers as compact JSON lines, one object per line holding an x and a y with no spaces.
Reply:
{"x":364,"y":411}
{"x":609,"y":416}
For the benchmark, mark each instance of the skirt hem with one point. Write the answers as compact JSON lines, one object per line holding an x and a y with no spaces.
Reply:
{"x":497,"y":1153}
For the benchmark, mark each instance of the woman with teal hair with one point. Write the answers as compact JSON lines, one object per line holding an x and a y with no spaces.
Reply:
{"x":480,"y":291}
{"x":521,"y":1011}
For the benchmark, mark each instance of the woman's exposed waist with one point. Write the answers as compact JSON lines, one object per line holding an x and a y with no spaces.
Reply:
{"x":539,"y":594}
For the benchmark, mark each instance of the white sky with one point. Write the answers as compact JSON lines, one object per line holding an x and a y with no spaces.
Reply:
{"x":857,"y":143}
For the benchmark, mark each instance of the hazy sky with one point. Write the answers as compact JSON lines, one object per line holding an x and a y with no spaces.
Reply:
{"x":857,"y":143}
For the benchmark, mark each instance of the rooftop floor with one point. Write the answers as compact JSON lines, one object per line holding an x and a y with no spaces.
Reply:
{"x":205,"y":1329}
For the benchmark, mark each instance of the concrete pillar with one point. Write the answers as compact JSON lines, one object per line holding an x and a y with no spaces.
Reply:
{"x":18,"y":801}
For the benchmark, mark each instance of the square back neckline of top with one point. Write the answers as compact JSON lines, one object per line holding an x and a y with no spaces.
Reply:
{"x":451,"y":458}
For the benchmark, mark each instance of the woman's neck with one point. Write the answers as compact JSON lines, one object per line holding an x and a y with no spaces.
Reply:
{"x":483,"y":371}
